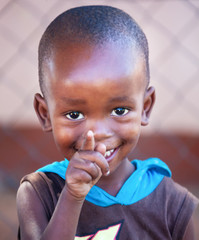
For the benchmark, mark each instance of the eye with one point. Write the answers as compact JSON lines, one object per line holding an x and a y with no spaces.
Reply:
{"x":120,"y":111}
{"x":74,"y":115}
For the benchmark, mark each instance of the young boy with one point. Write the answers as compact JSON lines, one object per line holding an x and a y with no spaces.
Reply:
{"x":94,"y":78}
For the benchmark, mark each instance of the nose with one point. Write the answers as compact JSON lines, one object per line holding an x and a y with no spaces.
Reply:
{"x":101,"y":129}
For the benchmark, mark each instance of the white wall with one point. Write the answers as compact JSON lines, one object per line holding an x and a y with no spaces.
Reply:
{"x":173,"y":33}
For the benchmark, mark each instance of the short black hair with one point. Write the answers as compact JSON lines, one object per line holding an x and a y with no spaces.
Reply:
{"x":96,"y":24}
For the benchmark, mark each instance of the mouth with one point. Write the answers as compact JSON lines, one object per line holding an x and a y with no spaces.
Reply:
{"x":109,"y":154}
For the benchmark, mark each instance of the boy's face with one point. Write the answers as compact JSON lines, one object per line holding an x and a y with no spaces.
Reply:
{"x":98,"y":89}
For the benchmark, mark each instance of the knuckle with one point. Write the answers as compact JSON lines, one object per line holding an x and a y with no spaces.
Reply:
{"x":89,"y":165}
{"x":78,"y":177}
{"x":84,"y":177}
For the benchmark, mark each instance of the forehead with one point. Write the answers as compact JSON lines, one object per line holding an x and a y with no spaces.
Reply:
{"x":86,"y":63}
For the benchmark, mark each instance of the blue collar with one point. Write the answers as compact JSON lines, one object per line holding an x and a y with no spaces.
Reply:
{"x":143,"y":181}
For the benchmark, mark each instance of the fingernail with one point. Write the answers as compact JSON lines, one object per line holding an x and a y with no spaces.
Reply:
{"x":107,"y":173}
{"x":90,"y":133}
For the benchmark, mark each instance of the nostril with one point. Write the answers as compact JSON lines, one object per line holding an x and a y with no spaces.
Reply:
{"x":101,"y":135}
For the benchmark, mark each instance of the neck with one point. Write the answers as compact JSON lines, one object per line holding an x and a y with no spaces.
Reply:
{"x":113,"y":183}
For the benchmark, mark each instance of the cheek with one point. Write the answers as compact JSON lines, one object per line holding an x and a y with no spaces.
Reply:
{"x":65,"y":139}
{"x":130,"y":132}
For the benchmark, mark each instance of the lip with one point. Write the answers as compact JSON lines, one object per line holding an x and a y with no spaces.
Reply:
{"x":109,"y":158}
{"x":112,"y":155}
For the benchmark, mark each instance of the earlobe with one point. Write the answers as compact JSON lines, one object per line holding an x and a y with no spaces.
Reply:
{"x":149,"y":101}
{"x":42,"y":112}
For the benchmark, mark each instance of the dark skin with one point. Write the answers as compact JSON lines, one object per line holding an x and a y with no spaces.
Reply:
{"x":96,"y":102}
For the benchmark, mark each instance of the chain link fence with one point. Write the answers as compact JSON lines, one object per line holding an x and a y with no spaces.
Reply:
{"x":172,"y":28}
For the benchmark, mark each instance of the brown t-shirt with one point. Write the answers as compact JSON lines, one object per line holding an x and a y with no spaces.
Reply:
{"x":163,"y":214}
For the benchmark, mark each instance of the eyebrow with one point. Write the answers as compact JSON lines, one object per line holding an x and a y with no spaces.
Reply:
{"x":78,"y":101}
{"x":71,"y":101}
{"x":122,"y":99}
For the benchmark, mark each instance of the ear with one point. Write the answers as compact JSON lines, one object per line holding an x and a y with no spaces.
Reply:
{"x":42,"y":112}
{"x":149,"y":100}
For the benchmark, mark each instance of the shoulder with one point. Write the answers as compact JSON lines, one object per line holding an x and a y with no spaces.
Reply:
{"x":29,"y":206}
{"x":36,"y":200}
{"x":43,"y":182}
{"x":46,"y":187}
{"x":175,"y":193}
{"x":179,"y":206}
{"x":43,"y":178}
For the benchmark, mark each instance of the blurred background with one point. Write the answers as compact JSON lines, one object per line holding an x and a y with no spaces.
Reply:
{"x":172,"y":28}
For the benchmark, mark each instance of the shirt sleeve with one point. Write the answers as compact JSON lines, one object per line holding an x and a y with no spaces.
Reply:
{"x":185,"y":211}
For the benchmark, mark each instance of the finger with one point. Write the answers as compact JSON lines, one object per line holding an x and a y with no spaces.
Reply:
{"x":100,"y":147}
{"x":88,"y":167}
{"x":96,"y":157}
{"x":89,"y":142}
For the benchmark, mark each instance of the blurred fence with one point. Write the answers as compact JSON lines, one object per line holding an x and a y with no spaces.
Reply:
{"x":172,"y":28}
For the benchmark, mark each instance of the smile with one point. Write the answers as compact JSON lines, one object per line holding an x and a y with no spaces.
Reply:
{"x":110,"y":153}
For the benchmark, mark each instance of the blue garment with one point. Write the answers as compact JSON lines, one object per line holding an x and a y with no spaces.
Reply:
{"x":143,"y":181}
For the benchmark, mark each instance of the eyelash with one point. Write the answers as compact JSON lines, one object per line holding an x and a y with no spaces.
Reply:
{"x":123,"y":109}
{"x":75,"y":115}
